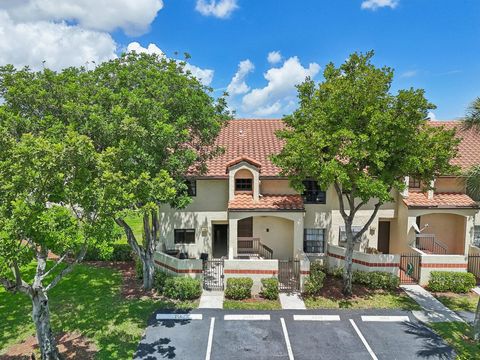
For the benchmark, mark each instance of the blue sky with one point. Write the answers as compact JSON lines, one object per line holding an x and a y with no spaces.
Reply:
{"x":431,"y":44}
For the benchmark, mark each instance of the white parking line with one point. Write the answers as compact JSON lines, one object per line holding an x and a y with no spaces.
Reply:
{"x":369,"y":349}
{"x":386,"y":318}
{"x":316,"y":317}
{"x":210,"y":339}
{"x":246,"y":317}
{"x":287,"y":340}
{"x":179,"y":316}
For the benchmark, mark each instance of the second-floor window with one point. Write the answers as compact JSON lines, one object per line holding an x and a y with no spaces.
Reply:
{"x":413,"y":183}
{"x":243,"y":184}
{"x":312,"y":193}
{"x":191,"y":187}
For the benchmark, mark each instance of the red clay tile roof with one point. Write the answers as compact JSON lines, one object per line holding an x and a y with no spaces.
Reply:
{"x":255,"y":139}
{"x":243,"y":158}
{"x":440,"y":200}
{"x":469,"y":148}
{"x":266,"y":202}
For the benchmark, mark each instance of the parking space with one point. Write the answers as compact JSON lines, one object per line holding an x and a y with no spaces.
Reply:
{"x":290,"y":335}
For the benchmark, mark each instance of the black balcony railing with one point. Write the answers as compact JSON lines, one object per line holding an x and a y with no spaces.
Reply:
{"x":250,"y":246}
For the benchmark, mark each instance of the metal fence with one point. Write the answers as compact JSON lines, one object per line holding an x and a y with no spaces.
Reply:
{"x":289,"y":275}
{"x":410,"y":268}
{"x":474,"y":265}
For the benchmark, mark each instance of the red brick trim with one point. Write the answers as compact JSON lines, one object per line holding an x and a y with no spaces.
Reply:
{"x":341,"y":257}
{"x":249,"y":271}
{"x":178,"y":271}
{"x":443,"y":266}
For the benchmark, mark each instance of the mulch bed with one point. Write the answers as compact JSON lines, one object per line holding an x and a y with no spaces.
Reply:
{"x":332,"y":289}
{"x":71,"y":346}
{"x":131,"y":286}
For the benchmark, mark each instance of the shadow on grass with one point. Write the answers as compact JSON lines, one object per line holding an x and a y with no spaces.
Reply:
{"x":459,"y":335}
{"x":433,"y":345}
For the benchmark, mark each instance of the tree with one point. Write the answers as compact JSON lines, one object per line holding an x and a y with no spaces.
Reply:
{"x":150,"y":122}
{"x":45,"y":209}
{"x":472,"y":118}
{"x":351,"y":133}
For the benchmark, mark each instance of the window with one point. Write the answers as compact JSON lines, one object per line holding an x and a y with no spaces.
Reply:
{"x":343,"y":233}
{"x":191,"y":187}
{"x":476,"y":235}
{"x":184,"y":236}
{"x":413,"y":183}
{"x":243,"y":184}
{"x":314,"y":240}
{"x":313,"y":194}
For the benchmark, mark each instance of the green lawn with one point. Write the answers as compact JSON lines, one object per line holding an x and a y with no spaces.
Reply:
{"x":371,"y":301}
{"x":87,"y":300}
{"x":136,"y":223}
{"x":459,"y":302}
{"x":252,"y":304}
{"x":459,"y":336}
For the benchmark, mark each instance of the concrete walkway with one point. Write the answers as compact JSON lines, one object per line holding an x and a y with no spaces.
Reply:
{"x":477,"y":290}
{"x":211,"y":300}
{"x":433,"y":310}
{"x":291,"y":301}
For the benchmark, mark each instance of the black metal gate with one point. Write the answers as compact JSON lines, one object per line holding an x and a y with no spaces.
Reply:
{"x":213,"y":274}
{"x":474,"y":265}
{"x":410,"y":268}
{"x":289,"y":275}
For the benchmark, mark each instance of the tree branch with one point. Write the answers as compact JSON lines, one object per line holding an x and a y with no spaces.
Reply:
{"x":68,"y":269}
{"x":369,"y":222}
{"x":132,"y":241}
{"x":58,"y":262}
{"x":340,"y":199}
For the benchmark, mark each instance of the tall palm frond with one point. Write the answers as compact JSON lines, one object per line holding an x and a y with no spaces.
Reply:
{"x":473,"y":182}
{"x":472,"y":117}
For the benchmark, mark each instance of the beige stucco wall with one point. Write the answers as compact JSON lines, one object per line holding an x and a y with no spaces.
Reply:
{"x":450,"y":184}
{"x":279,"y":236}
{"x":276,"y":187}
{"x":448,"y":229}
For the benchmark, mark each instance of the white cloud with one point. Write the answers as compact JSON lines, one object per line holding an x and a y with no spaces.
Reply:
{"x":409,"y":74}
{"x":238,"y":85}
{"x":279,"y":94}
{"x":375,"y":4}
{"x":204,"y":75}
{"x":218,"y":8}
{"x":132,"y":16}
{"x":274,"y":57}
{"x":58,"y":44}
{"x":432,"y":116}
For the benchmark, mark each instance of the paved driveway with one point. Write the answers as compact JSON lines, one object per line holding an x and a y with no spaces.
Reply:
{"x":290,"y":334}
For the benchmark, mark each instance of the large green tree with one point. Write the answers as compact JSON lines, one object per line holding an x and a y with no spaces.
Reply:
{"x":150,"y":121}
{"x":47,"y":208}
{"x":352,"y":133}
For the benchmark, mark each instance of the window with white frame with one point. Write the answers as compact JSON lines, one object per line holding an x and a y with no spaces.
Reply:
{"x":476,"y":235}
{"x":184,"y":236}
{"x":343,"y":234}
{"x":314,"y":241}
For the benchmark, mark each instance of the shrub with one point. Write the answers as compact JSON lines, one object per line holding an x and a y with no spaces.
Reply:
{"x":314,"y":282}
{"x":270,"y":288}
{"x":317,"y":266}
{"x":121,"y":252}
{"x":159,"y":278}
{"x":376,"y":280}
{"x":138,"y":268}
{"x":336,"y":272}
{"x":182,"y":288}
{"x":457,"y":282}
{"x":239,"y":288}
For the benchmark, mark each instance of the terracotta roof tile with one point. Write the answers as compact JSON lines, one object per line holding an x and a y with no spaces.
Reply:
{"x":439,"y":200}
{"x":255,"y":139}
{"x":266,"y":202}
{"x":243,"y":158}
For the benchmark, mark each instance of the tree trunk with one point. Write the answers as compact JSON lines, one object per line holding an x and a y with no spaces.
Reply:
{"x":41,"y":318}
{"x":476,"y":324}
{"x":347,"y":271}
{"x":148,"y":271}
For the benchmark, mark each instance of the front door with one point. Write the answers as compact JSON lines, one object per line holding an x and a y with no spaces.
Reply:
{"x":220,"y":240}
{"x":384,"y":236}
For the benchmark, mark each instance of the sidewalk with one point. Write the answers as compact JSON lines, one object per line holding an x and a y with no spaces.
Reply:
{"x":211,"y":300}
{"x":291,"y":301}
{"x":433,"y":310}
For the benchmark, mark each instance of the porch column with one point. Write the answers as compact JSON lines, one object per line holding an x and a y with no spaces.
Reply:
{"x":298,"y":234}
{"x":232,"y":238}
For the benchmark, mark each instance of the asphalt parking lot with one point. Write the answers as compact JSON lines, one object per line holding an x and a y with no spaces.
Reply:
{"x":289,"y":334}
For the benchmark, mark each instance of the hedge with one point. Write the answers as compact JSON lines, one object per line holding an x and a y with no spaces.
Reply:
{"x":159,"y":279}
{"x":239,"y":288}
{"x":182,"y":288}
{"x":314,"y":282}
{"x":376,"y":280}
{"x":457,"y":282}
{"x":118,"y":252}
{"x":270,"y":288}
